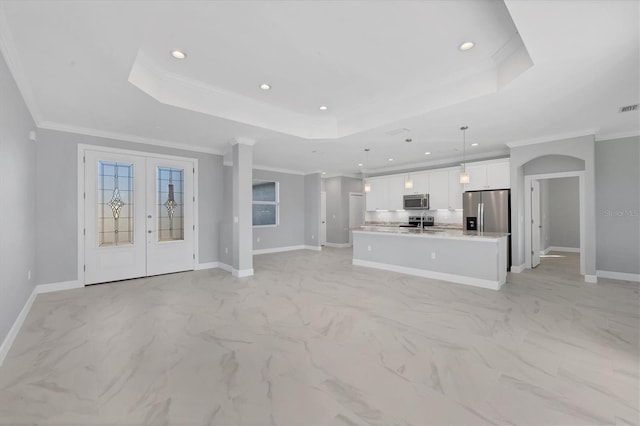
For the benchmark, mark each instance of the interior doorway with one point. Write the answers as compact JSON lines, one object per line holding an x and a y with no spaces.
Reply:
{"x":136,"y":214}
{"x":356,"y":212}
{"x":554,"y":219}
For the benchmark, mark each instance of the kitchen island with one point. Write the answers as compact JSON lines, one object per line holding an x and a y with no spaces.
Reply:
{"x":465,"y":257}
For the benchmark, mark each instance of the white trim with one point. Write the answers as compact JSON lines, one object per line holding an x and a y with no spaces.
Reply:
{"x":17,"y":324}
{"x":81,"y":216}
{"x":127,"y":138}
{"x":546,"y":251}
{"x":208,"y":265}
{"x":459,"y":279}
{"x":238,"y":140}
{"x":225,"y":267}
{"x":593,"y":279}
{"x":563,"y":249}
{"x":551,"y":138}
{"x":314,"y":248}
{"x":242,"y":273}
{"x":445,"y":163}
{"x":277,"y":249}
{"x":60,"y":286}
{"x":516,"y":269}
{"x":337,"y":245}
{"x":620,"y":135}
{"x":618,"y":275}
{"x":277,"y":170}
{"x":9,"y":51}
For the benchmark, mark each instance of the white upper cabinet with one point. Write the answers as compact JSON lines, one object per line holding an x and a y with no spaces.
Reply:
{"x":493,"y":174}
{"x":455,"y":189}
{"x":396,"y":192}
{"x":420,"y":183}
{"x":438,"y":189}
{"x":378,"y":197}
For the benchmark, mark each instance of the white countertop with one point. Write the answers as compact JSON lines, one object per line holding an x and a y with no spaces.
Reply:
{"x":430,"y":233}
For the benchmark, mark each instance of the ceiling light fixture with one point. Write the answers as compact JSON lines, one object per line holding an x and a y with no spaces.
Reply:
{"x":265,"y":86}
{"x":389,"y":159}
{"x":427,"y":153}
{"x":474,"y":144}
{"x":408,"y":182}
{"x":467,"y":45}
{"x":323,"y":108}
{"x":367,"y":185}
{"x":178,"y":54}
{"x":324,"y":173}
{"x":359,"y":164}
{"x":464,"y":176}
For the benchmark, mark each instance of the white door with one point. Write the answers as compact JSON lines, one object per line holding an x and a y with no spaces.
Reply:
{"x":356,"y":213}
{"x":138,"y":216}
{"x":170,"y":227}
{"x":323,"y":218}
{"x":535,"y":223}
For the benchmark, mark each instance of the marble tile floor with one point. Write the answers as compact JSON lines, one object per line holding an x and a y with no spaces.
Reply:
{"x":313,"y":340}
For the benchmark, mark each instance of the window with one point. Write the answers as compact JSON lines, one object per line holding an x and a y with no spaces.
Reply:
{"x":265,"y":203}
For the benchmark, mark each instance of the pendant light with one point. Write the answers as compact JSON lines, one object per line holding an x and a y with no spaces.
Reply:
{"x":408,"y":182}
{"x":464,"y":176}
{"x":367,"y":185}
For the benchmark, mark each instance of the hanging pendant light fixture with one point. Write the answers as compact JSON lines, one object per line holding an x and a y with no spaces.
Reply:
{"x":464,"y":176}
{"x":367,"y":185}
{"x":408,"y":182}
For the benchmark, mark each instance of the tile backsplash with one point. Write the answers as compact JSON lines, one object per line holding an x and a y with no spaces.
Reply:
{"x":450,"y":217}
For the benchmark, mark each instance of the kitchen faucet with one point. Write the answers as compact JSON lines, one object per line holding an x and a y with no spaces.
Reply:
{"x":422,"y":220}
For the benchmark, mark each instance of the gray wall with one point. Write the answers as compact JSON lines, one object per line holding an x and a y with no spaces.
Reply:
{"x":17,"y":202}
{"x":541,"y":158}
{"x":545,"y":236}
{"x":337,"y":189}
{"x":564,"y":212}
{"x":290,"y":230}
{"x":312,"y":185}
{"x":618,"y":205}
{"x":56,"y":185}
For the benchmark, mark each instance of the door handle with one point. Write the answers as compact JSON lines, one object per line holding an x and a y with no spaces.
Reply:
{"x":148,"y":232}
{"x":149,"y":217}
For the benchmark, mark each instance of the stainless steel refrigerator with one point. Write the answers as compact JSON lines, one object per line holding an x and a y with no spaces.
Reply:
{"x":488,"y":211}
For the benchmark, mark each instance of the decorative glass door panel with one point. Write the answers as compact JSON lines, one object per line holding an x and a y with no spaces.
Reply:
{"x":138,"y":215}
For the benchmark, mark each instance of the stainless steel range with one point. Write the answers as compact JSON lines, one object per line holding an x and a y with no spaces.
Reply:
{"x":414,"y":221}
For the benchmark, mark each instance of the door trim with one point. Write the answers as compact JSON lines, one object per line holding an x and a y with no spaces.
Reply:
{"x":81,"y":190}
{"x":527,"y":212}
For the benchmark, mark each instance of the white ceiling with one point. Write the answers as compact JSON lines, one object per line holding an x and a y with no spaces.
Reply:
{"x":541,"y":70}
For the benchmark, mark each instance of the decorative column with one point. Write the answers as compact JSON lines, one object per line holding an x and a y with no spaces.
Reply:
{"x":242,"y":153}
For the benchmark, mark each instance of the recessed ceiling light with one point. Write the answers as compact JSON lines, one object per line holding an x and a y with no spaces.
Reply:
{"x":359,"y":164}
{"x":323,"y":108}
{"x":265,"y":86}
{"x":427,"y":153}
{"x":178,"y":54}
{"x":389,"y":159}
{"x":474,"y":144}
{"x":324,"y":173}
{"x":467,"y":45}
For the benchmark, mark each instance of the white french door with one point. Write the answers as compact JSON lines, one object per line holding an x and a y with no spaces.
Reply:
{"x":138,"y":216}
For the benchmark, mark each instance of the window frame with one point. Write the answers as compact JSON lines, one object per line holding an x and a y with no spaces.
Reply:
{"x":275,"y":203}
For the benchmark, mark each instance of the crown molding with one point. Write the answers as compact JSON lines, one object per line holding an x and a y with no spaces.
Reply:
{"x":619,"y":135}
{"x":551,"y":138}
{"x":242,"y":141}
{"x":278,"y":170}
{"x":49,"y":125}
{"x":7,"y":47}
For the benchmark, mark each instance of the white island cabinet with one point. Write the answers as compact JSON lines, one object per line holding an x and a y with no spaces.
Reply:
{"x":472,"y":258}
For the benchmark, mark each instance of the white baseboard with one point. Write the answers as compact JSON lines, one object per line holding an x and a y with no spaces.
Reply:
{"x":593,"y":279}
{"x":17,"y":324}
{"x":516,"y":269}
{"x":618,"y":275}
{"x":459,"y":279}
{"x":564,"y":249}
{"x":64,"y":285}
{"x":277,"y":249}
{"x":341,"y":245}
{"x":225,"y":267}
{"x":208,"y":265}
{"x":314,"y":248}
{"x":242,"y":273}
{"x":545,"y":251}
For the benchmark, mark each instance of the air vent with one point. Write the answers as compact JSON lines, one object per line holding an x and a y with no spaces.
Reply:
{"x":397,"y":131}
{"x":629,"y":108}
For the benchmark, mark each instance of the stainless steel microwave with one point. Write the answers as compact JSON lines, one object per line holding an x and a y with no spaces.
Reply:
{"x":416,"y":202}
